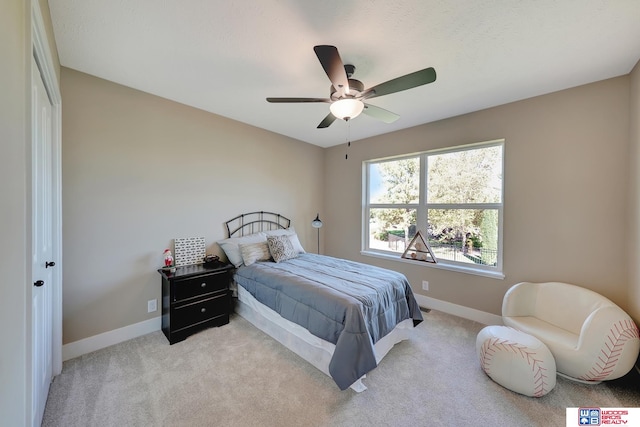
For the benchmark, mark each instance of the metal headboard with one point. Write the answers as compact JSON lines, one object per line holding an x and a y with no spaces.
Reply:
{"x":254,"y":222}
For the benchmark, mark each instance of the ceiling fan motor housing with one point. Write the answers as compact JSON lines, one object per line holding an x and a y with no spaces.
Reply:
{"x":355,"y":89}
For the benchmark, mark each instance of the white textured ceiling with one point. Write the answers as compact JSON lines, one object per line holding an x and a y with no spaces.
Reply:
{"x":227,"y":56}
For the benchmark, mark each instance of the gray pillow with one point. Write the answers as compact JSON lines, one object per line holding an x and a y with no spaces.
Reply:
{"x":281,"y":248}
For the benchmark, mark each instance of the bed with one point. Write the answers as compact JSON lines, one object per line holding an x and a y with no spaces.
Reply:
{"x":341,"y":316}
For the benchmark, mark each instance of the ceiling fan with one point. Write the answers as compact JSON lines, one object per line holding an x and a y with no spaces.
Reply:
{"x":347,"y":95}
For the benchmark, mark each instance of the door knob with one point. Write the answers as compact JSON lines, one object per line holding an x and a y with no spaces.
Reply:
{"x":49,"y":264}
{"x":38,"y":283}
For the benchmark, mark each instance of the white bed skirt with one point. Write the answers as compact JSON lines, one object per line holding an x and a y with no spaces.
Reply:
{"x":314,"y":350}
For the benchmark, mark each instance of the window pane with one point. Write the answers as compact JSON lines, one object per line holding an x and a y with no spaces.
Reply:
{"x":395,"y":181}
{"x":470,"y":176}
{"x":464,"y":235}
{"x":391,"y":229}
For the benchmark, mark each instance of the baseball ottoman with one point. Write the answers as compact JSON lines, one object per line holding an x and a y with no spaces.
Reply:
{"x":516,"y":360}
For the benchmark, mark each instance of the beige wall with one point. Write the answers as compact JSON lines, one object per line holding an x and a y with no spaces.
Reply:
{"x":565,"y":208}
{"x":634,"y":195}
{"x":138,"y":171}
{"x":14,"y":42}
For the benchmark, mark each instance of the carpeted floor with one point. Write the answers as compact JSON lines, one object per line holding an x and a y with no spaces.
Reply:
{"x":237,"y":376}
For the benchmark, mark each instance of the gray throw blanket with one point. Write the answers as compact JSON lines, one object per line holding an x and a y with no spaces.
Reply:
{"x":349,"y":304}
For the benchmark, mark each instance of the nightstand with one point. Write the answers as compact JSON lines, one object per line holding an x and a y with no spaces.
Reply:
{"x":195,"y":297}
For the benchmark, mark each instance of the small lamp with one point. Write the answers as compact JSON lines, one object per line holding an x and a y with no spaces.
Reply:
{"x":316,"y":223}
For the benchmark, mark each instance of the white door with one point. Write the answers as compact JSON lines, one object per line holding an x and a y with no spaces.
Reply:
{"x":42,"y":242}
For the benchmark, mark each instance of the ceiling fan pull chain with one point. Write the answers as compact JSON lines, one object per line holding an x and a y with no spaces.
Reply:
{"x":346,"y":156}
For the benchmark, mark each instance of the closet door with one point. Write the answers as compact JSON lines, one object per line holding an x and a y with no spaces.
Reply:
{"x":42,"y":244}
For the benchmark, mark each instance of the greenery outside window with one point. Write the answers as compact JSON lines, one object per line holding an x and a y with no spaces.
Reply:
{"x":454,"y":196}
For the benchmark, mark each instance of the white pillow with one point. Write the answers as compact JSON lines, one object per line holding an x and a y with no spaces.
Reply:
{"x":231,"y":246}
{"x":291,"y":234}
{"x":252,"y":252}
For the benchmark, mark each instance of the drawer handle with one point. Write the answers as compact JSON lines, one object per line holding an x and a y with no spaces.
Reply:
{"x":203,"y":285}
{"x":202,"y":310}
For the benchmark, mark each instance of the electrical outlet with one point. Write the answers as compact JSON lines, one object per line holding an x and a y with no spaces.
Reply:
{"x":425,"y":285}
{"x":152,"y":305}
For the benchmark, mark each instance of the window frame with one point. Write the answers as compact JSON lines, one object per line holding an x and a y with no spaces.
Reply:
{"x":422,"y":207}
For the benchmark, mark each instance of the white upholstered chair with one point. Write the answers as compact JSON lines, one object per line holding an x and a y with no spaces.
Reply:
{"x":590,"y":337}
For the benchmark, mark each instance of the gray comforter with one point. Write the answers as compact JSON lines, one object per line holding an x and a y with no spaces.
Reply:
{"x":349,"y":304}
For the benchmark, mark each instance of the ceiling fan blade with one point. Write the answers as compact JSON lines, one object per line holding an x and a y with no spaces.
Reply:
{"x":330,"y":60}
{"x":327,"y":121}
{"x":380,"y":113}
{"x":298,"y":100}
{"x":419,"y":78}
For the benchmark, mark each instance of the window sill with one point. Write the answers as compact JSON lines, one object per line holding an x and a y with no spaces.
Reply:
{"x":459,"y":269}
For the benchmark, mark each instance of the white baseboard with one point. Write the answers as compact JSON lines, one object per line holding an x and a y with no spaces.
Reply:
{"x":106,"y":339}
{"x":459,"y":310}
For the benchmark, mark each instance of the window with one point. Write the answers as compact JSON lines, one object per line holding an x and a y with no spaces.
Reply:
{"x":453,"y":196}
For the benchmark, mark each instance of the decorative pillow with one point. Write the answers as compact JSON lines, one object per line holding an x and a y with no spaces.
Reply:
{"x":291,"y":233}
{"x":252,"y":252}
{"x":281,"y":248}
{"x":231,"y":247}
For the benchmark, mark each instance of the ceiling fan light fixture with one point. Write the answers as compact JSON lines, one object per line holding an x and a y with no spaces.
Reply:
{"x":347,"y":108}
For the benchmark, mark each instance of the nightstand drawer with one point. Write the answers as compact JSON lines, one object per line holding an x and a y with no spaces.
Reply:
{"x":200,"y":285}
{"x":200,"y":311}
